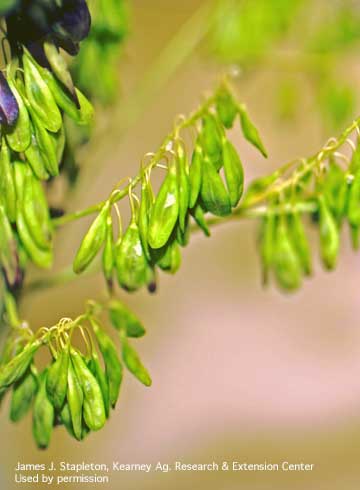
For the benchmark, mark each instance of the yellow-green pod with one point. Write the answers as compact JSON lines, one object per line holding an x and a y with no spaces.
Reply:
{"x":210,"y":137}
{"x":301,"y":243}
{"x":65,"y":419}
{"x":22,"y":397}
{"x":123,"y":318}
{"x":75,"y":400}
{"x":43,"y":415}
{"x":170,"y":258}
{"x":47,"y":146}
{"x":353,"y":206}
{"x":226,"y":108}
{"x":36,"y":159}
{"x":41,"y":257}
{"x":146,"y":203}
{"x":251,"y":132}
{"x":18,"y":136}
{"x":39,"y":95}
{"x":108,"y":259}
{"x":195,"y":174}
{"x":132,"y":361}
{"x":267,"y":245}
{"x":165,"y":211}
{"x":57,"y":379}
{"x":286,"y":263}
{"x":95,"y":367}
{"x":58,"y":65}
{"x":92,"y":241}
{"x":9,"y":258}
{"x":213,"y":192}
{"x":198,"y":213}
{"x":183,"y":187}
{"x":7,"y":183}
{"x":234,"y":173}
{"x":329,"y":235}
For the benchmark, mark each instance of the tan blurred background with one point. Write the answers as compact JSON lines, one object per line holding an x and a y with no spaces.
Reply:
{"x":239,"y":373}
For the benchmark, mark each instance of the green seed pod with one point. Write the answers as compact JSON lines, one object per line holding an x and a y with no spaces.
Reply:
{"x":131,"y":263}
{"x":36,"y":159}
{"x":93,"y":407}
{"x":355,"y":237}
{"x":9,"y":258}
{"x":133,"y":363}
{"x":146,"y":203}
{"x":59,"y":66}
{"x":39,"y":95}
{"x":47,"y":146}
{"x":287,"y":267}
{"x":92,"y":241}
{"x":329,"y":235}
{"x":165,"y":211}
{"x":7,"y":183}
{"x":96,"y":369}
{"x":20,"y":172}
{"x":75,"y":400}
{"x":195,"y":175}
{"x":23,"y":393}
{"x":183,"y":237}
{"x":83,"y":116}
{"x":226,"y":108}
{"x":257,"y":187}
{"x":250,"y":132}
{"x":113,"y":366}
{"x":335,"y":190}
{"x":213,"y":193}
{"x":300,"y":242}
{"x":16,"y":367}
{"x":108,"y":259}
{"x":267,"y":245}
{"x":198,"y":214}
{"x":234,"y":173}
{"x":18,"y":136}
{"x":57,"y":379}
{"x":41,"y":257}
{"x":353,"y":207}
{"x":65,"y":419}
{"x":170,"y":258}
{"x":43,"y":415}
{"x":122,"y":318}
{"x":183,"y":187}
{"x":211,"y":137}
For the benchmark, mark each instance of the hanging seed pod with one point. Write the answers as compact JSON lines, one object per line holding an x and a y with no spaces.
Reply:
{"x":9,"y":258}
{"x":258,"y":186}
{"x":250,"y":131}
{"x":146,"y":203}
{"x":211,"y":137}
{"x":123,"y":318}
{"x":183,"y":237}
{"x":57,"y":379}
{"x":226,"y":108}
{"x":75,"y":400}
{"x":41,"y":257}
{"x":198,"y":214}
{"x":170,"y":258}
{"x":16,"y":367}
{"x":46,"y":146}
{"x":355,"y":237}
{"x":165,"y":211}
{"x":18,"y":136}
{"x":35,"y":158}
{"x":132,"y":362}
{"x":97,"y":371}
{"x":9,"y":109}
{"x":329,"y":235}
{"x":267,"y":245}
{"x":234,"y":173}
{"x":83,"y":114}
{"x":113,"y":366}
{"x":300,"y":242}
{"x":22,"y":397}
{"x":59,"y":67}
{"x":93,"y":407}
{"x":183,"y":187}
{"x":131,"y":263}
{"x":92,"y":241}
{"x":335,"y":189}
{"x":39,"y":95}
{"x":213,"y":193}
{"x":195,"y":174}
{"x":43,"y":415}
{"x":108,"y":259}
{"x":7,"y":183}
{"x":287,"y":267}
{"x":353,"y":206}
{"x":65,"y":419}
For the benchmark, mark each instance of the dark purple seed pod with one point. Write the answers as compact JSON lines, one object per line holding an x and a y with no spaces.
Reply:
{"x":9,"y":109}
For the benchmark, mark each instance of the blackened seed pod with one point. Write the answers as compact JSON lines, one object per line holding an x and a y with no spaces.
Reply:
{"x":57,"y":379}
{"x":329,"y":235}
{"x":43,"y":415}
{"x":39,"y":95}
{"x":234,"y":173}
{"x":131,"y":263}
{"x":165,"y":211}
{"x":300,"y":242}
{"x":22,"y":397}
{"x":213,"y":192}
{"x":18,"y":136}
{"x":108,"y":260}
{"x":7,"y":182}
{"x":122,"y":317}
{"x":113,"y":366}
{"x":92,"y":241}
{"x":287,"y":267}
{"x":198,"y":214}
{"x":132,"y":362}
{"x":226,"y":108}
{"x":75,"y":400}
{"x":250,"y":132}
{"x":195,"y":174}
{"x":9,"y":109}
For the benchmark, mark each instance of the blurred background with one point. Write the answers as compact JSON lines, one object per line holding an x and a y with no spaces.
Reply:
{"x":239,"y":373}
